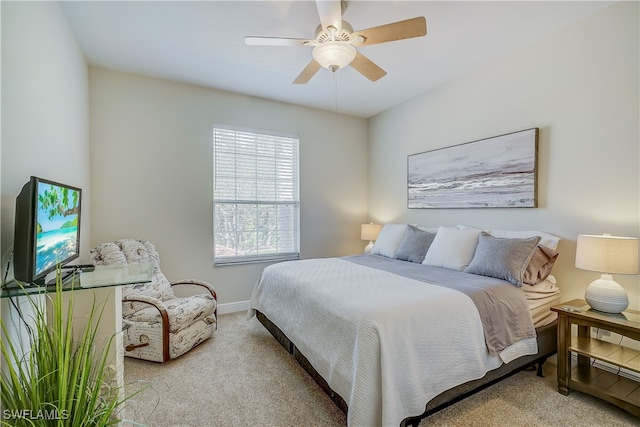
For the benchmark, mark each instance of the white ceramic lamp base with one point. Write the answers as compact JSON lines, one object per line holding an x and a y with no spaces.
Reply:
{"x":606,"y":295}
{"x":367,"y":249}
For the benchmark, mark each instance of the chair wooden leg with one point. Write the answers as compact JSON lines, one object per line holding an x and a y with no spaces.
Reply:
{"x":166,"y":355}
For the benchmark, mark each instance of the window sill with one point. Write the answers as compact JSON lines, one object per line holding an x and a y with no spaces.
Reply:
{"x":254,"y":260}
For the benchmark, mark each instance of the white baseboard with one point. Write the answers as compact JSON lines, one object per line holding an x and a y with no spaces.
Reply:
{"x":233,"y":307}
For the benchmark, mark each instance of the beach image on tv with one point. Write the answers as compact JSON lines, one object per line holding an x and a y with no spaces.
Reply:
{"x":57,"y":225}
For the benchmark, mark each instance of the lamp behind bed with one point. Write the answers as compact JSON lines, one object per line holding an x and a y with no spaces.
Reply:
{"x":369,"y":232}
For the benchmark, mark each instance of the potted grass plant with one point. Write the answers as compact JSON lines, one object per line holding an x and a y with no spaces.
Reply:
{"x":63,"y":378}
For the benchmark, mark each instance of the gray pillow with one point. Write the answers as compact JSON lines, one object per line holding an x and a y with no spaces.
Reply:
{"x":414,"y":244}
{"x":502,"y":258}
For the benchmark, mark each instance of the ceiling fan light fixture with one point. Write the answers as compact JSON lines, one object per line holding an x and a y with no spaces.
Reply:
{"x":334,"y":55}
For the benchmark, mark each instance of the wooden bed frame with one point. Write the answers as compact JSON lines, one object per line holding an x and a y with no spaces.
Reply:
{"x":547,"y":345}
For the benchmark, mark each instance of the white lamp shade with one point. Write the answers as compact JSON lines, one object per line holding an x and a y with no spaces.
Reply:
{"x":607,"y":254}
{"x":370,"y":231}
{"x":334,"y":54}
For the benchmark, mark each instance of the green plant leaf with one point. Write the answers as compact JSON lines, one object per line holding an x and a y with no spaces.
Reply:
{"x":59,"y":381}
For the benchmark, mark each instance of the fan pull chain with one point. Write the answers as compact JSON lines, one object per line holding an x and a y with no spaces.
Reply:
{"x":335,"y":85}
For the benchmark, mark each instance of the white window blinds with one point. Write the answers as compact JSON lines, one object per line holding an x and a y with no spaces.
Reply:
{"x":256,"y":212}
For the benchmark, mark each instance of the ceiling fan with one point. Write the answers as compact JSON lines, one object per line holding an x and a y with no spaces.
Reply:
{"x":335,"y":41}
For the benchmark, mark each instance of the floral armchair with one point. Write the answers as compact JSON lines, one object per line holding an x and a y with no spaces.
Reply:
{"x":156,"y":325}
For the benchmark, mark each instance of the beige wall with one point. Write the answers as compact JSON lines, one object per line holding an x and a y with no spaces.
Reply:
{"x":580,"y":87}
{"x":151,"y":172}
{"x":45,"y":107}
{"x":45,"y":129}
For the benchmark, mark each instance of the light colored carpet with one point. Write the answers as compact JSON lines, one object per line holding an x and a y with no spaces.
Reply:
{"x":243,"y":377}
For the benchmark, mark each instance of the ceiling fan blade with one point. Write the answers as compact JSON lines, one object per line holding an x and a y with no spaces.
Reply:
{"x":367,"y":68}
{"x":274,"y":41}
{"x":309,"y":71}
{"x":330,"y":12}
{"x":415,"y":27}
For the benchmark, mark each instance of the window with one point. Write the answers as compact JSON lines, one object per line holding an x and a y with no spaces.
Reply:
{"x":256,"y":203}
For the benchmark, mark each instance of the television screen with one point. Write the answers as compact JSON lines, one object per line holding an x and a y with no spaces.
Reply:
{"x":47,"y":231}
{"x":57,"y":231}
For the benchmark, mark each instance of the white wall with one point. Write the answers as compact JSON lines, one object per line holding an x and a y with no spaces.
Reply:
{"x":151,"y":172}
{"x":580,"y":86}
{"x":45,"y":116}
{"x":45,"y":107}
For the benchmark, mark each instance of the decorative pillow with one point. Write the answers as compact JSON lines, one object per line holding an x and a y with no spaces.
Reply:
{"x":389,"y":239}
{"x":540,"y":265}
{"x":502,"y":258}
{"x":452,"y":248}
{"x":546,"y":239}
{"x":414,"y":245}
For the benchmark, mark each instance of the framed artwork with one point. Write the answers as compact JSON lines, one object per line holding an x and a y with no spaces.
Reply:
{"x":497,"y":172}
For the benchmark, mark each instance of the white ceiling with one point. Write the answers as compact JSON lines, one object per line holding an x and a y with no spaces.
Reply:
{"x":202,"y":43}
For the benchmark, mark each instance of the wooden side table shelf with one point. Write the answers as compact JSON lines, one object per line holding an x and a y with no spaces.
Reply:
{"x":585,"y":377}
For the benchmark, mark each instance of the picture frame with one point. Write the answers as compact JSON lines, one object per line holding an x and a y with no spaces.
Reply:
{"x":496,"y":172}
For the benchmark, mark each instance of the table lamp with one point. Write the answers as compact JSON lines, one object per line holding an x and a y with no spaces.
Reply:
{"x":608,"y":255}
{"x":369,"y":232}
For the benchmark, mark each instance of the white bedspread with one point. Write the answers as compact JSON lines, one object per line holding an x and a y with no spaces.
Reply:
{"x":387,"y":344}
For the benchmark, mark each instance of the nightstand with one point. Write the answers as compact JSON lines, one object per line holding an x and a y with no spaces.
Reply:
{"x":585,"y":377}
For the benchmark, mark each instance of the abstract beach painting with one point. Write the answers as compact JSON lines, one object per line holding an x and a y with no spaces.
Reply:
{"x":497,"y":172}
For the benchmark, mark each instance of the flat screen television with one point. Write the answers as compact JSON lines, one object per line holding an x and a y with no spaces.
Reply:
{"x":47,"y":229}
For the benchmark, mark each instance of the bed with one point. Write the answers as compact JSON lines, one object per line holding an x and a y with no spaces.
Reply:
{"x":392,"y":340}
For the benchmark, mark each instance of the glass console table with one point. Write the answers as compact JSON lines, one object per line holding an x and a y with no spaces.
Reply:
{"x":101,"y":276}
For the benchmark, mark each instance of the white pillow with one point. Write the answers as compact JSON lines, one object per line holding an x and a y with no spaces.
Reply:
{"x":462,"y":227}
{"x":389,"y":240}
{"x":427,"y":229}
{"x":546,"y":239}
{"x":452,"y":248}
